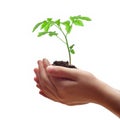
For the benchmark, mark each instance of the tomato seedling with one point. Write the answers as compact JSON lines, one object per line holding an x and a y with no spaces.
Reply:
{"x":46,"y":25}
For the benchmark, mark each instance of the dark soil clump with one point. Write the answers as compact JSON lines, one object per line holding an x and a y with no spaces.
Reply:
{"x":64,"y":64}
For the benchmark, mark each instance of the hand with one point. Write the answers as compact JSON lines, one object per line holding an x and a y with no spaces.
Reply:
{"x":74,"y":87}
{"x":65,"y":85}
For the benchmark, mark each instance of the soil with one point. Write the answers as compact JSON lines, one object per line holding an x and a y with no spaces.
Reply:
{"x":64,"y":64}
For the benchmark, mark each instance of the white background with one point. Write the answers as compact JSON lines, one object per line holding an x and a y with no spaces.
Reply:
{"x":97,"y":47}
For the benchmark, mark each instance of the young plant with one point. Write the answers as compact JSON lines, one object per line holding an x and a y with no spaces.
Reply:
{"x":47,"y":25}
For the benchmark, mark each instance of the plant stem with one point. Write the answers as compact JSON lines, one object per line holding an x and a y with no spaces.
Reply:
{"x":67,"y":44}
{"x":61,"y":39}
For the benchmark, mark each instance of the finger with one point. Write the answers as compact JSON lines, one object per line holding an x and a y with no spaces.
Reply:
{"x":50,"y":97}
{"x":42,"y":72}
{"x":43,"y":94}
{"x":62,"y":72}
{"x":38,"y":86}
{"x":36,"y":79}
{"x":35,"y":70}
{"x":46,"y":63}
{"x":44,"y":82}
{"x":41,"y":78}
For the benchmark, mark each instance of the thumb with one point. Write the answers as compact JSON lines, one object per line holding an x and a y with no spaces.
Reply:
{"x":62,"y":72}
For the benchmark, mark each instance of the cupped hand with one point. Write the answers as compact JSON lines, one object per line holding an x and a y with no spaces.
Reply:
{"x":66,"y":85}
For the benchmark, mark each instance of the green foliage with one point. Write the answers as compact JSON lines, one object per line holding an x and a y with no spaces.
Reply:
{"x":41,"y":33}
{"x":46,"y":25}
{"x":49,"y":33}
{"x":84,"y":18}
{"x":71,"y":49}
{"x":36,"y":26}
{"x":68,"y":26}
{"x":53,"y":33}
{"x":57,"y":22}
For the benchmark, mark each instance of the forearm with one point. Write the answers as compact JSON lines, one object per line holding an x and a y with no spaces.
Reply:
{"x":108,"y":97}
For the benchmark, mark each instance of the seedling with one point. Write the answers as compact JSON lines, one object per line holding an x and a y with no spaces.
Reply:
{"x":64,"y":27}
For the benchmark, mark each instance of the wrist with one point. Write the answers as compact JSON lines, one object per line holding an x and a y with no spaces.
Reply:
{"x":108,"y":97}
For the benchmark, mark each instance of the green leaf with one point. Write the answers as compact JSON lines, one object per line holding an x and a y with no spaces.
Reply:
{"x":72,"y":18}
{"x":49,"y":19}
{"x":72,"y":46}
{"x":78,"y":22}
{"x":53,"y":33}
{"x":85,"y":18}
{"x":44,"y":23}
{"x":72,"y":51}
{"x":66,"y":22}
{"x":58,"y":22}
{"x":68,"y":26}
{"x":47,"y":24}
{"x":46,"y":28}
{"x":36,"y":26}
{"x":41,"y":34}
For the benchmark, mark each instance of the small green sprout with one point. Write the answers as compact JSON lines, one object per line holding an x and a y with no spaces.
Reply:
{"x":46,"y":25}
